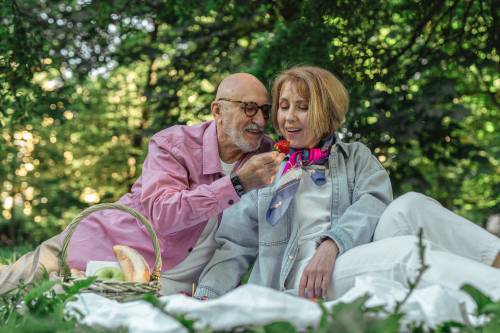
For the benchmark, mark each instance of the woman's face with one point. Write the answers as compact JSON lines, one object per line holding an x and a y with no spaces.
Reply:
{"x":293,"y":118}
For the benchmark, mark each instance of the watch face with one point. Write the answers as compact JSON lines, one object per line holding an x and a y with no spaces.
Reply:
{"x":238,"y":187}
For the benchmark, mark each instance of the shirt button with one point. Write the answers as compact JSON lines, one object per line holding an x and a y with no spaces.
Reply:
{"x":231,"y":202}
{"x":290,"y":257}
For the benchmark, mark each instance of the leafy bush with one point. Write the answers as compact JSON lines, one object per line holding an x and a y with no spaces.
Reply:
{"x":422,"y":76}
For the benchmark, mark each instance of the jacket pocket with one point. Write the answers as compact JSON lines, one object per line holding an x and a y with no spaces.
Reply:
{"x":270,"y":235}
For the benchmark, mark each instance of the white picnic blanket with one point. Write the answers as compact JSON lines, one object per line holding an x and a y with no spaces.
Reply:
{"x":256,"y":305}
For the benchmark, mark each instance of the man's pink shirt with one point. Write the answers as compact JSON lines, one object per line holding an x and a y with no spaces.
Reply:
{"x":180,"y":188}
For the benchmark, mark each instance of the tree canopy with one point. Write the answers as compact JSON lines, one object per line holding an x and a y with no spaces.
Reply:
{"x":84,"y":84}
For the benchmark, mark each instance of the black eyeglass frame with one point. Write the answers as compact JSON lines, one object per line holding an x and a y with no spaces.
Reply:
{"x":249,"y":113}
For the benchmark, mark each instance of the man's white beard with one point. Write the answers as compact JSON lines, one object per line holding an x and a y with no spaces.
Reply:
{"x":239,"y":141}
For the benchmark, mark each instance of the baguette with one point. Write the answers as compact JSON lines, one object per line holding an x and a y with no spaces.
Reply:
{"x":76,"y":273}
{"x":133,"y":265}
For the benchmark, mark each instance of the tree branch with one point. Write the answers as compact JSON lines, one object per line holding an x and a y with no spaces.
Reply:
{"x":418,"y":30}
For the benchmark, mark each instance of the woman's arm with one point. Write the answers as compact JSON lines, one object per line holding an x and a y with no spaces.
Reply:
{"x":237,"y":238}
{"x":371,"y":194}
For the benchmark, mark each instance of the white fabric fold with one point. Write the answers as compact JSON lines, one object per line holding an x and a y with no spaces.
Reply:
{"x":137,"y":316}
{"x":256,"y":306}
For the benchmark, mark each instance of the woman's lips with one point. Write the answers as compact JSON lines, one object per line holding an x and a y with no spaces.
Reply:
{"x":293,"y":134}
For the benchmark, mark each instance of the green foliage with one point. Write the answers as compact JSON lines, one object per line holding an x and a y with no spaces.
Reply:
{"x":481,"y":300}
{"x":9,"y":255}
{"x":39,"y":308}
{"x":485,"y":306}
{"x":356,"y":318}
{"x":42,"y":300}
{"x":83,"y":85}
{"x":422,"y":267}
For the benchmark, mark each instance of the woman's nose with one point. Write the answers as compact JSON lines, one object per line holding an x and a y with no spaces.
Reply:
{"x":291,"y":115}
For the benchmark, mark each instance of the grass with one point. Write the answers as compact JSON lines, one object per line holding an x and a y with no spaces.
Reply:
{"x":38,"y":309}
{"x":9,"y":255}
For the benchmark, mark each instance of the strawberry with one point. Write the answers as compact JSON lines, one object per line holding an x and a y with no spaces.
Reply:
{"x":282,"y":146}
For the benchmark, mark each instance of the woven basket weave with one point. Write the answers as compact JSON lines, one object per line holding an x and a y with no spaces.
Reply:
{"x":113,"y":289}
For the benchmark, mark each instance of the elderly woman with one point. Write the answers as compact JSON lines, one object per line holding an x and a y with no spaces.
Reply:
{"x":310,"y":233}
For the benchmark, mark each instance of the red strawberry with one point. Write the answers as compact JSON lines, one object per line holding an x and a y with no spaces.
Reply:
{"x":282,"y":146}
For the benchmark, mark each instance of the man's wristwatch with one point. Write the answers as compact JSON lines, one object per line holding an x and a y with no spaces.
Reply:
{"x":238,"y":187}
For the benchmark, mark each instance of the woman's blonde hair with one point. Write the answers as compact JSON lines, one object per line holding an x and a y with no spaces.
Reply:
{"x":328,"y":98}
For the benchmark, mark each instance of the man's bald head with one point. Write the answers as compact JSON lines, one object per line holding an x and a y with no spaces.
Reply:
{"x":242,"y":86}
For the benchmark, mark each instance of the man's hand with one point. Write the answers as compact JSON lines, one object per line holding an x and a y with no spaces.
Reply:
{"x":259,"y":171}
{"x":315,"y":280}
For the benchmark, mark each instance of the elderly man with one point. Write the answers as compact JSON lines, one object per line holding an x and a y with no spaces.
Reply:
{"x":190,"y":175}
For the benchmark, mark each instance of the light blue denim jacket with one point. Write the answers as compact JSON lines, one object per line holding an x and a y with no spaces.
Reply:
{"x":361,"y":190}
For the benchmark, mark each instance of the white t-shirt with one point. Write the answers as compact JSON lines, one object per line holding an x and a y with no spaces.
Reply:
{"x":227,"y":167}
{"x":312,"y":214}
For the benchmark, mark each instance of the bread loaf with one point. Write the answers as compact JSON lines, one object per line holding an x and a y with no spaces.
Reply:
{"x":133,"y":265}
{"x":76,"y":273}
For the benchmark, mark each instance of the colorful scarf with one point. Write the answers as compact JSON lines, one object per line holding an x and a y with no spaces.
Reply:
{"x":290,"y":177}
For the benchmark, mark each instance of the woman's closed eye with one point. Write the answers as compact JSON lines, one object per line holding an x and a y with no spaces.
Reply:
{"x":303,"y":107}
{"x":284,"y":105}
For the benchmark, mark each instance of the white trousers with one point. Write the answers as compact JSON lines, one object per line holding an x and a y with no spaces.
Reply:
{"x":457,"y":250}
{"x":455,"y":234}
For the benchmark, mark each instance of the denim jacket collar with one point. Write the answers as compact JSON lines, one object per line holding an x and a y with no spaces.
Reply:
{"x":342,"y":145}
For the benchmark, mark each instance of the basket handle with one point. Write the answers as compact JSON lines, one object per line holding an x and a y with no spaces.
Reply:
{"x":155,"y":276}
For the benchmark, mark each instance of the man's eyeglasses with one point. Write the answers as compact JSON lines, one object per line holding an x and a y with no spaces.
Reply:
{"x":251,"y":108}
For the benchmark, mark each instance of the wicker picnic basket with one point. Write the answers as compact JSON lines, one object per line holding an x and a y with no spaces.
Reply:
{"x":113,"y":289}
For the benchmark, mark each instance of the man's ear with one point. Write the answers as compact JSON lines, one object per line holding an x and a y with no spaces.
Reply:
{"x":215,"y":109}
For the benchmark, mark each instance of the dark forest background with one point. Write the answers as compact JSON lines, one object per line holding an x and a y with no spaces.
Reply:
{"x":84,"y":85}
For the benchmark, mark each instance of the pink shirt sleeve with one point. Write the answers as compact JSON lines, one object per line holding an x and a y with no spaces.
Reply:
{"x":167,"y":197}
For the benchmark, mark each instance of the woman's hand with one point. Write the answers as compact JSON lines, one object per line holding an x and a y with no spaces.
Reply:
{"x":317,"y":274}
